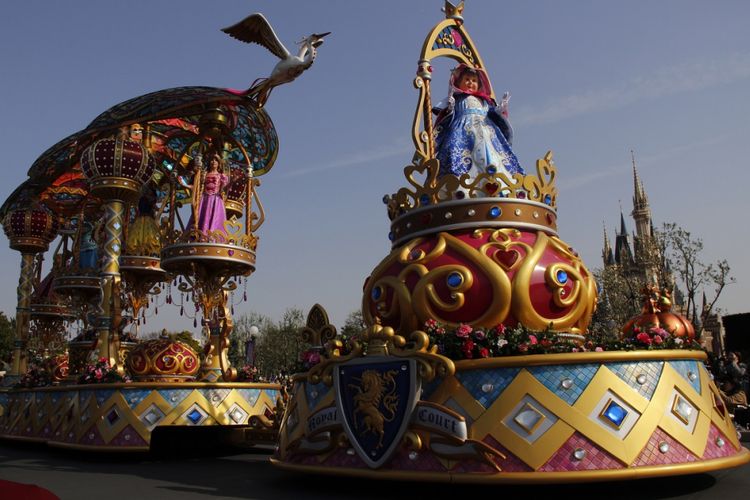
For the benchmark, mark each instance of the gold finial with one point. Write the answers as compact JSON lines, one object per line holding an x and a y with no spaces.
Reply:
{"x":454,"y":12}
{"x":378,"y":338}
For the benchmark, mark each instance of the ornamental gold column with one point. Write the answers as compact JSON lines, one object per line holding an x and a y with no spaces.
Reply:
{"x":30,"y":231}
{"x":117,"y":169}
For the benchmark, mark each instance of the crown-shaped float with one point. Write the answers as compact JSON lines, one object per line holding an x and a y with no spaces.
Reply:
{"x":474,"y":233}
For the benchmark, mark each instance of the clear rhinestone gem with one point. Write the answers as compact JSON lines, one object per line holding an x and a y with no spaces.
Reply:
{"x":487,"y":387}
{"x":579,"y":454}
{"x":471,"y":212}
{"x":127,"y":437}
{"x":448,"y":215}
{"x":641,"y":379}
{"x":663,"y":447}
{"x":313,"y":394}
{"x":566,"y":383}
{"x":413,"y":455}
{"x":720,"y":442}
{"x":350,"y":451}
{"x":692,"y":376}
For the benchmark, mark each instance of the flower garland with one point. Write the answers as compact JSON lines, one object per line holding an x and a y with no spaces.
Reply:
{"x":467,"y":342}
{"x":101,"y":373}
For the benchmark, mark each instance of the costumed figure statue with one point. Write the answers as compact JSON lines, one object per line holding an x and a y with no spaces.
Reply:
{"x":88,"y":256}
{"x":473,"y":134}
{"x":209,"y":200}
{"x":143,"y":233}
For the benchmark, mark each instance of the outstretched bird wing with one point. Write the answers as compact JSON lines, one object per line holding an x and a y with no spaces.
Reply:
{"x":256,"y":29}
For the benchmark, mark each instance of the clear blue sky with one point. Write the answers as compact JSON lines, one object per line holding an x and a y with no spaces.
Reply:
{"x":590,"y":80}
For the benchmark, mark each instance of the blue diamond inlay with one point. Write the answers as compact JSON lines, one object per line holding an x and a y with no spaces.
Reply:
{"x":552,"y":377}
{"x":103,"y":395}
{"x":475,"y":380}
{"x":454,"y":280}
{"x":430,"y":387}
{"x":615,"y":413}
{"x":250,"y":395}
{"x":547,"y":199}
{"x":174,"y":396}
{"x":629,"y":373}
{"x":424,"y":200}
{"x":314,"y":393}
{"x":562,"y":277}
{"x":491,"y":169}
{"x":686,"y":368}
{"x":495,"y":212}
{"x":134,"y":398}
{"x":377,"y":292}
{"x":195,"y":416}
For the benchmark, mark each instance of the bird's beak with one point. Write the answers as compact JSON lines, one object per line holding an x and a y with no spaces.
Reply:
{"x":319,"y":36}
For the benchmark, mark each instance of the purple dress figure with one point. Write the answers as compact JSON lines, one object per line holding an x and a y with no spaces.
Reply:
{"x":211,"y":211}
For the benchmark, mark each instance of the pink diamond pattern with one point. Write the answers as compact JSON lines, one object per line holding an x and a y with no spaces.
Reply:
{"x":713,"y":450}
{"x":511,"y":463}
{"x":596,"y":458}
{"x":135,"y":439}
{"x":96,"y":440}
{"x":425,"y":462}
{"x":651,"y":455}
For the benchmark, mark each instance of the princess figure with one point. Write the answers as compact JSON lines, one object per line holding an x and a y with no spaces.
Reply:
{"x":143,"y":233}
{"x":211,"y":211}
{"x":473,"y":132}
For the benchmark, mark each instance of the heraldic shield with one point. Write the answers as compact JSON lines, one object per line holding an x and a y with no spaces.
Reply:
{"x":376,"y":397}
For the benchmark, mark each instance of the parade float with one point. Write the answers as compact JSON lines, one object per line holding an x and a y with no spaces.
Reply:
{"x":155,"y":202}
{"x":476,"y":364}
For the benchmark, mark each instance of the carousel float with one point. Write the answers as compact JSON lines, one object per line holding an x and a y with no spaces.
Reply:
{"x":154,"y":203}
{"x":477,"y":271}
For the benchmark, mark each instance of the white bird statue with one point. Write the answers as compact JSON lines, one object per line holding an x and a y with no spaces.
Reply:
{"x":256,"y":29}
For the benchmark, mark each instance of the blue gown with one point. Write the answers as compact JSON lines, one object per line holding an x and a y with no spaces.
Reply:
{"x":472,"y":141}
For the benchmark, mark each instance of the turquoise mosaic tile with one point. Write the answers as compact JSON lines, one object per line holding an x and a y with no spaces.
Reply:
{"x":552,"y":377}
{"x":174,"y":396}
{"x":630,"y":372}
{"x":487,"y":385}
{"x":103,"y":395}
{"x":135,"y":397}
{"x":686,"y":368}
{"x":250,"y":395}
{"x":314,"y":393}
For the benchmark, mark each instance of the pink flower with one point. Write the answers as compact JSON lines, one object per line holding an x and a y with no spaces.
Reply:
{"x":430,"y":324}
{"x":440,"y":331}
{"x":658,"y":340}
{"x":103,"y":360}
{"x":661,"y":332}
{"x":523,"y":347}
{"x":479,"y":335}
{"x":533,"y":340}
{"x":484,"y":352}
{"x":599,"y":349}
{"x":463,"y":330}
{"x":99,"y":374}
{"x":643,"y":338}
{"x":467,"y":348}
{"x":500,"y":329}
{"x":575,"y":349}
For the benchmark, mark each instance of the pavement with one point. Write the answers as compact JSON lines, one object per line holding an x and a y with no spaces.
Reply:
{"x":78,"y":476}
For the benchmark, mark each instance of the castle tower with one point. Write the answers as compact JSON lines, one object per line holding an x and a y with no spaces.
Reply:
{"x":623,"y":252}
{"x":607,"y":255}
{"x":641,"y":210}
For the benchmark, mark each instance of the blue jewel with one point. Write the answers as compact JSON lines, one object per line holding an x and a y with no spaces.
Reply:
{"x":377,"y":292}
{"x":454,"y":280}
{"x":495,"y":212}
{"x":194,"y":416}
{"x":390,"y":236}
{"x":548,"y":199}
{"x":615,"y":413}
{"x":562,"y":276}
{"x":491,"y":169}
{"x":424,"y":199}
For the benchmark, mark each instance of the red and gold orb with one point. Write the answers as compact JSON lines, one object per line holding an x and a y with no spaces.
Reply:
{"x":117,"y":168}
{"x":163,"y":360}
{"x":30,"y":230}
{"x":482,"y":274}
{"x":235,"y":202}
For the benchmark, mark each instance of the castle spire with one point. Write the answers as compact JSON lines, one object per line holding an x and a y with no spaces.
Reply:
{"x":607,"y":255}
{"x":640,"y":200}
